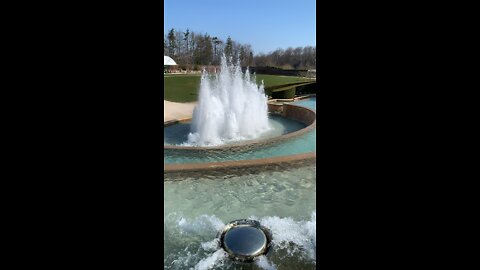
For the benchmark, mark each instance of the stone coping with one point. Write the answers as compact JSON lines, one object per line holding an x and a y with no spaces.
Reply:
{"x":227,"y":166}
{"x":290,"y":111}
{"x":292,"y":99}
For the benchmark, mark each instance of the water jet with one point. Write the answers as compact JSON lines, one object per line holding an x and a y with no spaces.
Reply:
{"x":231,"y":107}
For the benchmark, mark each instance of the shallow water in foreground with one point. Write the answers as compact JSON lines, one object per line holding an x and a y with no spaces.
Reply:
{"x":283,"y":201}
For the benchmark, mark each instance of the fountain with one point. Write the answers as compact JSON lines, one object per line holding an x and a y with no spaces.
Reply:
{"x":214,"y":154}
{"x":231,"y":107}
{"x":233,"y":125}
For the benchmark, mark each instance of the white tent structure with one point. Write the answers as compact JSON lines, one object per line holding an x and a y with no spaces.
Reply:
{"x":167,"y":61}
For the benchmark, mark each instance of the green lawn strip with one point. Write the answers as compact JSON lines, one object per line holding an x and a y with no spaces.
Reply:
{"x":184,"y":87}
{"x":181,"y":88}
{"x":274,"y":80}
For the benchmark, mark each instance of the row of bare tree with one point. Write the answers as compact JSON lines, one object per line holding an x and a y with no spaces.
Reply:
{"x":191,"y":48}
{"x":291,"y":58}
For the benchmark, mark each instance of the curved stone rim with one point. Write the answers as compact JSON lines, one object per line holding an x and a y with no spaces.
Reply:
{"x":282,"y":108}
{"x":236,"y":164}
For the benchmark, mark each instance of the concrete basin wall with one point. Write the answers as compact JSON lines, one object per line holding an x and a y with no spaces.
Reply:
{"x":297,"y":113}
{"x":174,"y":172}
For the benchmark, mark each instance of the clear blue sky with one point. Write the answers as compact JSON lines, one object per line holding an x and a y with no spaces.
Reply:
{"x":265,"y":24}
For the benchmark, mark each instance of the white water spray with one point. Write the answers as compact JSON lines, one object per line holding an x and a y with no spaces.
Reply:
{"x":264,"y":263}
{"x":231,"y":107}
{"x":296,"y":237}
{"x":216,"y":259}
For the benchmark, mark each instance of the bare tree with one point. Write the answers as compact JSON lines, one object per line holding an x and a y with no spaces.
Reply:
{"x":297,"y":58}
{"x":185,"y":39}
{"x":189,"y":47}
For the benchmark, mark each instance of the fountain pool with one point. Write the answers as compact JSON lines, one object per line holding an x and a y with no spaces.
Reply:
{"x":310,"y":103}
{"x":231,"y":127}
{"x":283,"y":199}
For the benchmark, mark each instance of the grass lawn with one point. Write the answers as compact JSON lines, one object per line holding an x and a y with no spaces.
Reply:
{"x":184,"y":88}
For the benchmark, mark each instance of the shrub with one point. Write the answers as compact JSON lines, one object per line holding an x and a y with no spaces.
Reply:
{"x":288,"y":93}
{"x":275,"y":87}
{"x":309,"y":88}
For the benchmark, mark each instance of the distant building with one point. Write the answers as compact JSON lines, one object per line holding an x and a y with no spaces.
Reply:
{"x":167,"y":63}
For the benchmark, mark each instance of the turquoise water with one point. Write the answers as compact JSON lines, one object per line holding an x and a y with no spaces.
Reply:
{"x":195,"y":209}
{"x":310,"y":103}
{"x":299,"y":145}
{"x":178,"y":134}
{"x":302,"y":144}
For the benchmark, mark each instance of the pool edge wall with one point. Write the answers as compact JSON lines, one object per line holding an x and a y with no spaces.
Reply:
{"x":242,"y":166}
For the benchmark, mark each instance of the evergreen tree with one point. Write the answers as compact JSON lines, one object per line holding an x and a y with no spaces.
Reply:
{"x":171,"y":43}
{"x":185,"y":39}
{"x":229,"y":48}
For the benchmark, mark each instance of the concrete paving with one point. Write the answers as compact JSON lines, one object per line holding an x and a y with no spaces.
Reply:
{"x":176,"y":111}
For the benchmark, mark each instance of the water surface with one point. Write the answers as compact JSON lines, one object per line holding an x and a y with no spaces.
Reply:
{"x":177,"y":134}
{"x":195,"y":209}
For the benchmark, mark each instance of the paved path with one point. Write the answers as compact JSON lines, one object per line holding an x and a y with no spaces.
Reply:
{"x":174,"y":110}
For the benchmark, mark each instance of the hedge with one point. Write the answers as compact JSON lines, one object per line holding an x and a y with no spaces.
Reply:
{"x":288,"y":91}
{"x":282,"y":87}
{"x":284,"y":94}
{"x":309,"y":88}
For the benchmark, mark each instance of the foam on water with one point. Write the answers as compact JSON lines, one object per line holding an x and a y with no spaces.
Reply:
{"x":264,"y":263}
{"x":231,"y":107}
{"x":212,"y":245}
{"x":297,"y":238}
{"x":216,"y":259}
{"x":204,"y":223}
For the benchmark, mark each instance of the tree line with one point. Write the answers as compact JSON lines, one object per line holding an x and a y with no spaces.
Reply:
{"x":192,"y":48}
{"x":291,"y":58}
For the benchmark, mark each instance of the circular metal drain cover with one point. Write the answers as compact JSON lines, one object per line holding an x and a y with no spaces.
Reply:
{"x":245,"y":239}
